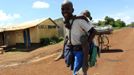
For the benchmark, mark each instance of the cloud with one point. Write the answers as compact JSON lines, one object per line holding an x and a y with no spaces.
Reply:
{"x":126,"y":16}
{"x":16,"y":16}
{"x":98,"y":19}
{"x":40,"y":4}
{"x":5,"y":16}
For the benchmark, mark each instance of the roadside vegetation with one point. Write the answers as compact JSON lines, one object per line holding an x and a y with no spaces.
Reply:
{"x":49,"y":41}
{"x":116,"y":24}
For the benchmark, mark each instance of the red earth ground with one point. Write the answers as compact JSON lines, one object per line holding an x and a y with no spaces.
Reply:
{"x":116,"y":61}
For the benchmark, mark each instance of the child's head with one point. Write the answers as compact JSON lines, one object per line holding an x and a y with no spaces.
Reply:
{"x":86,"y":13}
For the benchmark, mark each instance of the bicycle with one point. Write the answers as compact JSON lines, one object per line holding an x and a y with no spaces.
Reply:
{"x":103,"y":41}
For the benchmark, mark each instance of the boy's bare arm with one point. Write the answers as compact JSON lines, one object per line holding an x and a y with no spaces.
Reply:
{"x":92,"y":32}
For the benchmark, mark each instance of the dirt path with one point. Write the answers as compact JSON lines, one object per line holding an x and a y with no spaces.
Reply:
{"x":117,"y":61}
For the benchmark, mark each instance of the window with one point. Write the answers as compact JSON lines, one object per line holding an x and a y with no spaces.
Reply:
{"x":51,"y":27}
{"x":43,"y":27}
{"x":46,"y":26}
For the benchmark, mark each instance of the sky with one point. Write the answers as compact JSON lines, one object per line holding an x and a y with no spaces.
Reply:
{"x":19,"y":11}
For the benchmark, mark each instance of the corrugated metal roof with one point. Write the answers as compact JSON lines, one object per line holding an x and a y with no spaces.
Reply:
{"x":25,"y":25}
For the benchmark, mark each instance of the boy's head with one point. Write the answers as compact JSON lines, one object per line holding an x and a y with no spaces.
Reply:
{"x":67,"y":9}
{"x":86,"y":13}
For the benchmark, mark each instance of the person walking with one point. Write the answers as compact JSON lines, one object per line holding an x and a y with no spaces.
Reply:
{"x":75,"y":29}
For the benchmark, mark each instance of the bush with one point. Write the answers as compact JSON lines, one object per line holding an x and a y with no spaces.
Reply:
{"x":60,"y":39}
{"x":45,"y":41}
{"x":53,"y":40}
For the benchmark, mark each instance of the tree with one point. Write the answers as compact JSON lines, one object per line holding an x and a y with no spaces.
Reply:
{"x":101,"y":23}
{"x":109,"y":21}
{"x":119,"y":23}
{"x":131,"y":24}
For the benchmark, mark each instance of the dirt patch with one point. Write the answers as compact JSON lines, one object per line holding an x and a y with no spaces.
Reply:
{"x":11,"y":58}
{"x":117,"y":61}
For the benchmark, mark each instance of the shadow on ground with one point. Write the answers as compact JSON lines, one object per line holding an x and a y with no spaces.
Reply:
{"x":22,"y":48}
{"x":112,"y":51}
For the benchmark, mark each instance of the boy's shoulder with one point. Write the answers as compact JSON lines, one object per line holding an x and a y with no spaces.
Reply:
{"x":81,"y":17}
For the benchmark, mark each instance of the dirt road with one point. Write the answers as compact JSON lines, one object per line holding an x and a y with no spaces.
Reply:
{"x":116,"y":61}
